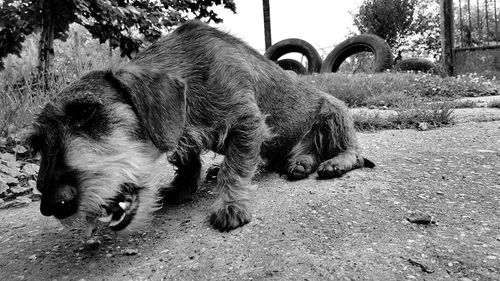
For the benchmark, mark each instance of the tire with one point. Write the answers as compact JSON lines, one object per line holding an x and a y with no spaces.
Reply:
{"x":416,"y":65}
{"x":357,"y":44}
{"x":293,"y":45}
{"x":293,"y":65}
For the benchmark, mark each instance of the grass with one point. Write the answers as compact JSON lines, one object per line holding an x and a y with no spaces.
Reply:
{"x":408,"y":95}
{"x":364,"y":89}
{"x":389,"y":88}
{"x":405,"y":116}
{"x":413,"y":98}
{"x":19,"y":104}
{"x":23,"y":94}
{"x":435,"y":114}
{"x":365,"y":120}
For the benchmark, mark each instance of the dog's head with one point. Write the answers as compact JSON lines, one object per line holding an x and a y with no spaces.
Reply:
{"x":100,"y":143}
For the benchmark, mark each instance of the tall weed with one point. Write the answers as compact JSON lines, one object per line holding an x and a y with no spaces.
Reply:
{"x":23,"y":92}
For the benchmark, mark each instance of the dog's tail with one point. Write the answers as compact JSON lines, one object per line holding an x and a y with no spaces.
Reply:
{"x":368,"y":163}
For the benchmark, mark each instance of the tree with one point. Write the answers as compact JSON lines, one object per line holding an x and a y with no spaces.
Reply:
{"x":389,"y":19}
{"x":127,"y":24}
{"x":406,"y":25}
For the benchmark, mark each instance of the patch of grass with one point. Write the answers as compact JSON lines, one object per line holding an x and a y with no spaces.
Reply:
{"x":389,"y":99}
{"x":435,"y":114}
{"x":389,"y":88}
{"x":23,"y":93}
{"x":364,"y":89}
{"x":405,"y":116}
{"x":365,"y":120}
{"x":470,"y":85}
{"x":19,"y":104}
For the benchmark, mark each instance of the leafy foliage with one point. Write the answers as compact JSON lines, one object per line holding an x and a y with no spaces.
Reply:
{"x":388,"y":19}
{"x":127,"y":24}
{"x":408,"y":26}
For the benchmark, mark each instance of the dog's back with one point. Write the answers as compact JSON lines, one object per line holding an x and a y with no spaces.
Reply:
{"x":218,"y":63}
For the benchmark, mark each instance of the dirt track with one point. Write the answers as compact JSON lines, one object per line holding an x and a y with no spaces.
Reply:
{"x":354,"y":227}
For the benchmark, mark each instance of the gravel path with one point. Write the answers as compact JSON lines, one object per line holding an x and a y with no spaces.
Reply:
{"x":354,"y":228}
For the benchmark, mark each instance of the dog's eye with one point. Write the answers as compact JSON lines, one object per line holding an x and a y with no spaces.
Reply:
{"x":81,"y":113}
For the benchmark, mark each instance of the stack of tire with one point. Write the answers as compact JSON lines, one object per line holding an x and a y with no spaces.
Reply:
{"x":354,"y":45}
{"x":295,"y":45}
{"x":417,"y":65}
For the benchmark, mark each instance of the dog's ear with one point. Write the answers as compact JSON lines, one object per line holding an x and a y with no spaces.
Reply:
{"x":159,"y":101}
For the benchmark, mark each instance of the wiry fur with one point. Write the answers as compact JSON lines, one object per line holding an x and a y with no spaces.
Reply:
{"x":116,"y":159}
{"x":196,"y":89}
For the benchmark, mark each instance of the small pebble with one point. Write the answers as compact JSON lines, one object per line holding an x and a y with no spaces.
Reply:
{"x":131,"y":252}
{"x":424,"y":126}
{"x":93,"y":243}
{"x":421,"y":219}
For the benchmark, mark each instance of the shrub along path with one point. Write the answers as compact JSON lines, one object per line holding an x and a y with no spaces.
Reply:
{"x":429,"y":210}
{"x":434,"y":114}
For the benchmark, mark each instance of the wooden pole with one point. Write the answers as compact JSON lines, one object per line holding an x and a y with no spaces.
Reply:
{"x":447,"y":55}
{"x":267,"y":23}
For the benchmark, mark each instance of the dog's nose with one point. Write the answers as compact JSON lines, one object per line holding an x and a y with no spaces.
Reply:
{"x":61,"y":204}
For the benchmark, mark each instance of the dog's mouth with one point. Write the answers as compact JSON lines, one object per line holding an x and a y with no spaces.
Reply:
{"x":121,"y":210}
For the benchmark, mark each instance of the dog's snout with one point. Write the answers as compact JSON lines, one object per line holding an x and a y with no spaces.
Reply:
{"x":57,"y":183}
{"x":63,"y":203}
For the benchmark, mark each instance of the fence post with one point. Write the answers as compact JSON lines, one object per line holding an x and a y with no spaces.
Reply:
{"x":447,"y":56}
{"x":267,"y":23}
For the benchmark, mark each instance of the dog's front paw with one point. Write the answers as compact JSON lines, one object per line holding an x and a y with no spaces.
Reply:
{"x":329,"y":169}
{"x":228,"y":216}
{"x":299,"y":170}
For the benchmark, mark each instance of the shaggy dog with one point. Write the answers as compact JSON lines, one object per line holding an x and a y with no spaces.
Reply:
{"x":194,"y":90}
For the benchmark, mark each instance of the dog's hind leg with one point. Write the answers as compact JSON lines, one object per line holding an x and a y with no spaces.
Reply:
{"x":334,"y":141}
{"x":241,"y":151}
{"x":187,"y":177}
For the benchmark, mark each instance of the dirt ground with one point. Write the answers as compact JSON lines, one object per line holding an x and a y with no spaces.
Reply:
{"x":352,"y":228}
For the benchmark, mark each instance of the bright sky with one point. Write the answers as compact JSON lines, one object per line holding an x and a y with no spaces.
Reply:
{"x":323,"y":23}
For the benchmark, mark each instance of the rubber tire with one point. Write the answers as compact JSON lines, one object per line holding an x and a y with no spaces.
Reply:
{"x":293,"y":65}
{"x":416,"y":64}
{"x":294,"y":45}
{"x":357,"y":44}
